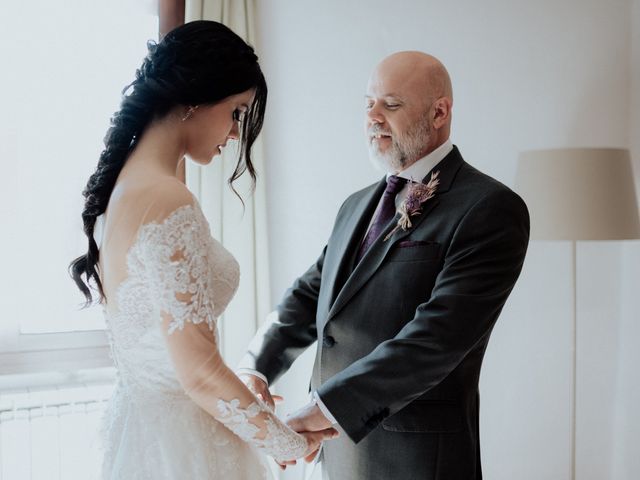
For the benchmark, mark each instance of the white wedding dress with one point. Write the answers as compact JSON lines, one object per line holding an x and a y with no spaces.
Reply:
{"x":178,"y":412}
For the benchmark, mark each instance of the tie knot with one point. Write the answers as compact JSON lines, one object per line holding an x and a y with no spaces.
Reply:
{"x":394,"y":184}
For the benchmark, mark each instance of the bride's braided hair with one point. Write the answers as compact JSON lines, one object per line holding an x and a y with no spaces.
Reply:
{"x":200,"y":62}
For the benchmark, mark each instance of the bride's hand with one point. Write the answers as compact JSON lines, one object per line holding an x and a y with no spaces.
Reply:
{"x":314,"y":440}
{"x":260,"y":389}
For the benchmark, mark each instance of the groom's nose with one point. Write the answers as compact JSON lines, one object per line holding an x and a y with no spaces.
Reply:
{"x":374,"y":115}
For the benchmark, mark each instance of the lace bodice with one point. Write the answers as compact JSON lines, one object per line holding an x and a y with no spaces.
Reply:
{"x":163,"y":335}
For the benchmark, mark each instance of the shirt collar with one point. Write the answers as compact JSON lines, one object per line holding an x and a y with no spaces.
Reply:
{"x":417,"y":171}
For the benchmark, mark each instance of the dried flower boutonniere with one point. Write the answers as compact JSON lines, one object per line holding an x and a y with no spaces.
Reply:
{"x":412,"y":205}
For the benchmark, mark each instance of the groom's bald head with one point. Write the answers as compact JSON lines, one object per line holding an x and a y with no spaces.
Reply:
{"x":409,"y":100}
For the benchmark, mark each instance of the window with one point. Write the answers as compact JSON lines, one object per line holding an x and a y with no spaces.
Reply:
{"x":64,"y":66}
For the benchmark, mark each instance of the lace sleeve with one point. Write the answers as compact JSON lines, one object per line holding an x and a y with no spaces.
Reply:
{"x":183,"y":264}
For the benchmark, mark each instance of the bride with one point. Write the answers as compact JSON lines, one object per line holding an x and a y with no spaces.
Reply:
{"x":178,"y":411}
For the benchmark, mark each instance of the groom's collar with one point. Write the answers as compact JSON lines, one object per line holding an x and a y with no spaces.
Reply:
{"x":447,"y":170}
{"x":421,"y":168}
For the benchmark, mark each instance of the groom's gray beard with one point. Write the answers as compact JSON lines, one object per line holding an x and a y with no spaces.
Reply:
{"x":402,"y":150}
{"x":385,"y":162}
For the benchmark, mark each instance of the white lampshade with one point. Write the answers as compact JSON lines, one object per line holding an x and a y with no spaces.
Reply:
{"x":579,"y":194}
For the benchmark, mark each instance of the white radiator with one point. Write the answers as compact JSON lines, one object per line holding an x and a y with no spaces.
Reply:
{"x":52,"y":433}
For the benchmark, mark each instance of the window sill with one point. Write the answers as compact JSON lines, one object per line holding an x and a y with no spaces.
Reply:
{"x":54,"y":360}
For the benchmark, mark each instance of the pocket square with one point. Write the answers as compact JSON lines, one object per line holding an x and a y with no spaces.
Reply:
{"x":415,"y":243}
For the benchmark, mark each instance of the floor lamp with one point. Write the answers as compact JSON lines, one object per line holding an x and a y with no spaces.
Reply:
{"x":578,"y":194}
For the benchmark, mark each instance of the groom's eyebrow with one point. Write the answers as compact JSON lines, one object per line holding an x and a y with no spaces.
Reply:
{"x":387,"y":96}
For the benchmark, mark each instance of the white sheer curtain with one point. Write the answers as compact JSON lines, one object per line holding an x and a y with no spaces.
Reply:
{"x":243,"y":233}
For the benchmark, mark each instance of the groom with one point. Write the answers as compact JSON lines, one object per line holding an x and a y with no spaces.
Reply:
{"x":402,"y":307}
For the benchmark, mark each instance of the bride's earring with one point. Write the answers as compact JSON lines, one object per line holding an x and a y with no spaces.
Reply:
{"x":189,"y":113}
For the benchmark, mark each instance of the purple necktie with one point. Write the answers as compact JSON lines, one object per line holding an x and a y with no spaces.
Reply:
{"x":385,"y":212}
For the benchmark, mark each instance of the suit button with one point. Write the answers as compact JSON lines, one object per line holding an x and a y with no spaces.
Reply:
{"x":328,"y":341}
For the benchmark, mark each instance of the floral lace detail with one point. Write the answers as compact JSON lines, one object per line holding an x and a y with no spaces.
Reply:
{"x":213,"y":452}
{"x":204,"y":270}
{"x":280,"y":442}
{"x":182,"y":254}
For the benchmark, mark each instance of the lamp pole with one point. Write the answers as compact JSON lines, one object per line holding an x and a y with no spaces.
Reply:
{"x":574,"y":356}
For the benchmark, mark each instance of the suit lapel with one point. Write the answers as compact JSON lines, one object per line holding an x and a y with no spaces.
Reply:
{"x":374,"y":257}
{"x":348,"y":236}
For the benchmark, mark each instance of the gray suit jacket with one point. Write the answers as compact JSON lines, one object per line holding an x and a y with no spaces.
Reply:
{"x":402,"y":334}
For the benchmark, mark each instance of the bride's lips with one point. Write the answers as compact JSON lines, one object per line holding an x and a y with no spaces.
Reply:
{"x":220,"y":147}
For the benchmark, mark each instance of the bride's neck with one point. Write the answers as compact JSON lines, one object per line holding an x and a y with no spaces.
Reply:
{"x":160,"y":149}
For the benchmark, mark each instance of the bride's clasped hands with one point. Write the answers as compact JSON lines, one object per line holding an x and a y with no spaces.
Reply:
{"x":313,"y":434}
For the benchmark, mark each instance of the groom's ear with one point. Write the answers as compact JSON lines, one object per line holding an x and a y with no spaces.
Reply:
{"x":441,"y":112}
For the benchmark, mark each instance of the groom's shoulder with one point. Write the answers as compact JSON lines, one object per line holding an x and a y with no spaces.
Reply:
{"x":477,"y":183}
{"x":474,"y":187}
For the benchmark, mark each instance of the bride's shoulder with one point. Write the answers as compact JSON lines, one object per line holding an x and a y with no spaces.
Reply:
{"x":152,"y":200}
{"x":164,"y":198}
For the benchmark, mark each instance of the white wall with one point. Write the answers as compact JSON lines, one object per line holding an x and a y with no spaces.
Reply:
{"x":625,"y":458}
{"x":626,"y":461}
{"x":627,"y":426}
{"x":526,"y":75}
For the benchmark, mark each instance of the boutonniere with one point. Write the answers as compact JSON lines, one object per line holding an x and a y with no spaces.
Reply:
{"x":411,"y":206}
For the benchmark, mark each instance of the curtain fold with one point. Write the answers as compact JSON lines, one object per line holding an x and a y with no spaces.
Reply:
{"x":243,"y":233}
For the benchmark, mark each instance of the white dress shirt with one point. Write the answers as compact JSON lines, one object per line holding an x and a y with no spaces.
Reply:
{"x":417,"y":171}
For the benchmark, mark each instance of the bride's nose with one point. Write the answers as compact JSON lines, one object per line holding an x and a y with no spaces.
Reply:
{"x":234,"y":133}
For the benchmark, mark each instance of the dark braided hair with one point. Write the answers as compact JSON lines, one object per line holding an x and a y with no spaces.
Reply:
{"x":201,"y":62}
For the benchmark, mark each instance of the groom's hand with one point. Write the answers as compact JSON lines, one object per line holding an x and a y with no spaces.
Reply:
{"x":308,"y":419}
{"x":260,"y":389}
